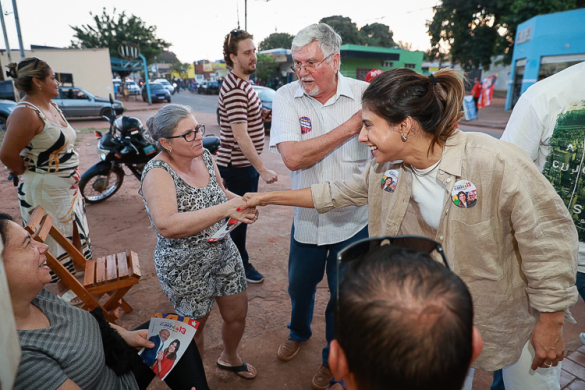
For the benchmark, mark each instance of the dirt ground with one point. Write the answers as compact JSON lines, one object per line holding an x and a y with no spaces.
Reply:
{"x":121,"y":223}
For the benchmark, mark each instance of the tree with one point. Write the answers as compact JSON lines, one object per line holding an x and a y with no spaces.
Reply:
{"x":111,"y":30}
{"x":181,"y":69}
{"x":167,"y":57}
{"x":266,"y":66}
{"x":471,"y":29}
{"x":345,"y":28}
{"x":377,"y":34}
{"x":404,"y":45}
{"x":277,"y":41}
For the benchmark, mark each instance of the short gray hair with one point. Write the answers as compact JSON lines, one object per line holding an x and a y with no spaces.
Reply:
{"x":329,"y":40}
{"x":165,"y":121}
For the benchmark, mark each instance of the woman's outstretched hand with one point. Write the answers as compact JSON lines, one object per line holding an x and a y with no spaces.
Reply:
{"x":254,"y":199}
{"x":239,"y":209}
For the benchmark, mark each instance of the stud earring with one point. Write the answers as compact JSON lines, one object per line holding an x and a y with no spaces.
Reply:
{"x":40,"y":88}
{"x":170,"y":150}
{"x":404,"y":138}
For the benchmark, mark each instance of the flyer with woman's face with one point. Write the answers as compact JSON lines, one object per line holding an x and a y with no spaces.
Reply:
{"x":171,"y":334}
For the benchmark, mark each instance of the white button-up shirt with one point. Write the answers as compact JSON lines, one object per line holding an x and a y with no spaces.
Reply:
{"x":299,"y":117}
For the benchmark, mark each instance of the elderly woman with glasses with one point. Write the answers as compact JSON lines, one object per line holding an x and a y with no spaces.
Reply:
{"x":39,"y":148}
{"x":187,"y":205}
{"x":515,"y":247}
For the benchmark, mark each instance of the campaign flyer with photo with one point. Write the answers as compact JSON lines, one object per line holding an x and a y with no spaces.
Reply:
{"x":230,"y":224}
{"x":171,"y":334}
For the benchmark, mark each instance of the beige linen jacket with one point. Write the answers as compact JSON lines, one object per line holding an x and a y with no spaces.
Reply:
{"x":516,"y":249}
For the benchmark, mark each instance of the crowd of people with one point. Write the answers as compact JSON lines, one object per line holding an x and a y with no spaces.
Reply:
{"x":444,"y":251}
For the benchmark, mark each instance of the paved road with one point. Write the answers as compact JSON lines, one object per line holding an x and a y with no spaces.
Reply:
{"x":199,"y":103}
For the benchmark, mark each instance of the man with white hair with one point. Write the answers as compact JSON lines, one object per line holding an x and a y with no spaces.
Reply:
{"x":316,"y":121}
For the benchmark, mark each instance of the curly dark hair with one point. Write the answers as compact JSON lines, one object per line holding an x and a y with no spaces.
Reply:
{"x":230,"y":44}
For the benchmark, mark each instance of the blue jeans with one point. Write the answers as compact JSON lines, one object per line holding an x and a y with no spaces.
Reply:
{"x":498,"y":383}
{"x":307,"y":264}
{"x":239,"y":181}
{"x":581,"y":284}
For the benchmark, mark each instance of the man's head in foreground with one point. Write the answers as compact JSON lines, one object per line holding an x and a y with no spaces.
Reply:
{"x":404,"y":322}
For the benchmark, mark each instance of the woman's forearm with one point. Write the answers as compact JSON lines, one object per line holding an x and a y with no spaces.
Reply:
{"x":298,"y":198}
{"x":181,"y":225}
{"x":13,"y":162}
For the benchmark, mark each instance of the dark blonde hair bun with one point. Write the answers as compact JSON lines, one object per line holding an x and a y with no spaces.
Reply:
{"x":11,"y":72}
{"x":26,"y":70}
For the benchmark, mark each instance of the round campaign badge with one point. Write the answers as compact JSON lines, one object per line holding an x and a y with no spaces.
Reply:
{"x":464,"y":194}
{"x":390,"y":180}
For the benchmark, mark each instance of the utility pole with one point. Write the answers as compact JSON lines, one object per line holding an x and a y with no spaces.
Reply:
{"x":5,"y":35}
{"x":17,"y":20}
{"x":245,"y":15}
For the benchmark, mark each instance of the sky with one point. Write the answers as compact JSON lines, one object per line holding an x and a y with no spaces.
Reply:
{"x":196,"y":28}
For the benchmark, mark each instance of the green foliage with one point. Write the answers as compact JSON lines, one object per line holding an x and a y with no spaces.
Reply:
{"x":346,"y":29}
{"x":167,"y":57}
{"x":266,"y":66}
{"x":276,"y":41}
{"x":377,"y":34}
{"x":111,"y":30}
{"x":470,"y":28}
{"x":180,"y":68}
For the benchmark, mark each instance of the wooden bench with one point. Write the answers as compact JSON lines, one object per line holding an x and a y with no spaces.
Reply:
{"x":113,"y":275}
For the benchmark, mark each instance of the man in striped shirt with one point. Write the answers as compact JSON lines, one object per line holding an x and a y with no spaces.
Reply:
{"x":242,"y":132}
{"x":315,"y":128}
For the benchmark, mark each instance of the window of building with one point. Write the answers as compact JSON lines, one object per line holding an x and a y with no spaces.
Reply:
{"x":550,"y":65}
{"x":410,"y":66}
{"x":388,"y":64}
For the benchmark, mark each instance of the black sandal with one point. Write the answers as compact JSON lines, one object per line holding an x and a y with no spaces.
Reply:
{"x":237,"y":369}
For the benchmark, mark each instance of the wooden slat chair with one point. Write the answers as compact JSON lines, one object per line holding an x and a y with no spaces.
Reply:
{"x":113,"y":275}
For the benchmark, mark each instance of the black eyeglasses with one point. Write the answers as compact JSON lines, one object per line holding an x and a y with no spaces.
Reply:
{"x":235,"y":33}
{"x":190,"y":135}
{"x":22,"y":64}
{"x":355,"y":250}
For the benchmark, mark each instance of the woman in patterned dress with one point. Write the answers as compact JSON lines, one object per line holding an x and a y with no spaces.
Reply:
{"x":187,"y":204}
{"x":39,"y":147}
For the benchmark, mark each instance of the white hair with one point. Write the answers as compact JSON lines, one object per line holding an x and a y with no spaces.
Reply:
{"x":165,"y":121}
{"x":329,"y":41}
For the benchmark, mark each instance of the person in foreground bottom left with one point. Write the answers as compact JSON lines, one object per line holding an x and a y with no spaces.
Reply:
{"x":62,"y":345}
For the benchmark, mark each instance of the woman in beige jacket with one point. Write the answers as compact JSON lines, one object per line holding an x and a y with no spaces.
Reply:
{"x":515,"y":247}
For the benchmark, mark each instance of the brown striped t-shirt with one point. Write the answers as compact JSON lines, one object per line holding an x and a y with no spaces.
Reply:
{"x":238,"y":102}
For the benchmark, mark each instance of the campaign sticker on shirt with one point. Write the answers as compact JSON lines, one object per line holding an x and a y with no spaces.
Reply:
{"x":464,"y":194}
{"x":306,"y":126}
{"x":390,"y":180}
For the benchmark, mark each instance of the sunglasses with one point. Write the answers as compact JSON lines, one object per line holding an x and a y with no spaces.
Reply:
{"x":190,"y":135}
{"x":235,"y":33}
{"x":22,"y":64}
{"x":355,"y":250}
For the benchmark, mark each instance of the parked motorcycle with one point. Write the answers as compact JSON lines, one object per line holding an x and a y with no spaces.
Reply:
{"x":123,"y":144}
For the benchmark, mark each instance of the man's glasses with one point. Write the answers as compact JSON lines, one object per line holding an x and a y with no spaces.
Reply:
{"x":190,"y":135}
{"x":22,"y":64}
{"x":309,"y":66}
{"x":235,"y":33}
{"x":357,"y":249}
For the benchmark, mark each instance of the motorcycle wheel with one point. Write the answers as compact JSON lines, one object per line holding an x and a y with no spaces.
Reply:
{"x":94,"y":188}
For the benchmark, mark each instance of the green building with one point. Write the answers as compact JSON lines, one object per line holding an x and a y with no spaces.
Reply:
{"x":357,"y":61}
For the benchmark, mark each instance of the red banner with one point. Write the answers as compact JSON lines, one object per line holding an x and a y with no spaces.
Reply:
{"x":487,"y":91}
